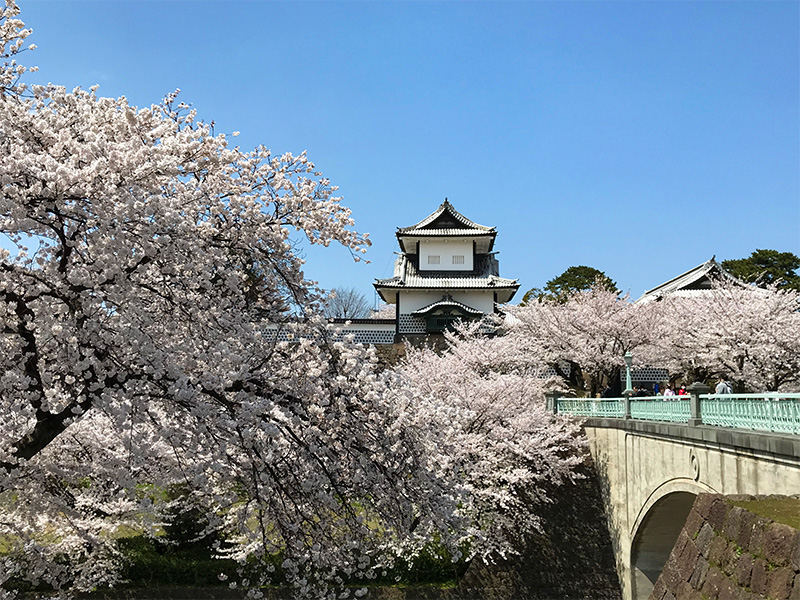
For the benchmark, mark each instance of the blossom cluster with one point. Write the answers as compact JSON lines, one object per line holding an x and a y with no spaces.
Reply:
{"x":747,"y":334}
{"x":152,"y":264}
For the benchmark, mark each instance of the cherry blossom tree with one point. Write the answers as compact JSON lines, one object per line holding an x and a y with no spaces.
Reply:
{"x":591,"y":330}
{"x":750,"y":335}
{"x":486,"y":395}
{"x":384,"y":311}
{"x":157,"y":329}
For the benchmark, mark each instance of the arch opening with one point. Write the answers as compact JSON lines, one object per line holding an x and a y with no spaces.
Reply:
{"x":655,"y":539}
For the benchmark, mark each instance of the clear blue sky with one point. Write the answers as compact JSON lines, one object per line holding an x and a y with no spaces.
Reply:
{"x":639,"y":138}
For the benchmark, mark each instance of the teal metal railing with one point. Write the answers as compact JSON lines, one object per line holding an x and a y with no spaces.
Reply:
{"x":610,"y":408}
{"x":675,"y":409}
{"x":767,"y":412}
{"x":778,"y":412}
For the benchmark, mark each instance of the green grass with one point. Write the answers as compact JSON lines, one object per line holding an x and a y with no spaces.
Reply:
{"x":150,"y":564}
{"x":781,"y":510}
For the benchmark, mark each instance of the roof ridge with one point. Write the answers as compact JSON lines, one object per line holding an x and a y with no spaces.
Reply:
{"x":692,"y":275}
{"x":445,"y":206}
{"x":684,"y":274}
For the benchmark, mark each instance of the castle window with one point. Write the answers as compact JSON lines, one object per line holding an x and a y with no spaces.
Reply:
{"x":433,"y":259}
{"x":458,"y":259}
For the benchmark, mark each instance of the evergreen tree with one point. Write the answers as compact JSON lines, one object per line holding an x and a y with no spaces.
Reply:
{"x":767,"y":267}
{"x":574,"y":279}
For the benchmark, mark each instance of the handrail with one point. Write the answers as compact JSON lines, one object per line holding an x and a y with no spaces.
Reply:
{"x":761,"y":396}
{"x":770,"y":411}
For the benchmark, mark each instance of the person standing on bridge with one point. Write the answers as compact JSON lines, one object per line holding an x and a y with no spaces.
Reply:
{"x":723,"y":387}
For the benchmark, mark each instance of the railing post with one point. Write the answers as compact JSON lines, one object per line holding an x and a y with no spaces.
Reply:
{"x":697,"y":388}
{"x":552,"y":401}
{"x":627,"y":395}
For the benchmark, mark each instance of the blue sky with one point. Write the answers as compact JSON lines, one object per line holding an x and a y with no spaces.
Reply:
{"x":639,"y":138}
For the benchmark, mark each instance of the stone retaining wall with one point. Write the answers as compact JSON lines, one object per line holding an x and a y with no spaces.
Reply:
{"x":725,"y":552}
{"x":571,"y":559}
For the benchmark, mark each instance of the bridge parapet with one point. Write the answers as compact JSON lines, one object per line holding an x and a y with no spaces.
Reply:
{"x":655,"y":454}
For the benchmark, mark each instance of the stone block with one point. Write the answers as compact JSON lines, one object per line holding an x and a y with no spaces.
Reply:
{"x":758,"y":578}
{"x":718,"y":550}
{"x":671,"y":574}
{"x":717,"y":513}
{"x":680,"y":544}
{"x":687,"y":592}
{"x":728,"y":590}
{"x":795,"y":594}
{"x":693,"y":524}
{"x":693,"y":595}
{"x":684,"y":591}
{"x":740,"y":497}
{"x":703,"y":502}
{"x":704,"y":538}
{"x":672,"y":562}
{"x":744,"y":569}
{"x":756,"y":545}
{"x":728,"y":561}
{"x":746,"y":528}
{"x":659,"y":589}
{"x":713,"y":584}
{"x":669,"y":596}
{"x":779,"y":542}
{"x":733,"y":522}
{"x":795,"y":555}
{"x":779,"y":583}
{"x":698,"y":576}
{"x":688,"y":549}
{"x":687,"y":563}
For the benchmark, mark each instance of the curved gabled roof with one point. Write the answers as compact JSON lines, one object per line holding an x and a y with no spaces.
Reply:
{"x":446,"y":220}
{"x":447,"y":302}
{"x":702,"y":277}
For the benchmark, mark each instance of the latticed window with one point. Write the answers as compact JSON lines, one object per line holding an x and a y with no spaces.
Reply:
{"x":433,"y":259}
{"x":458,"y":259}
{"x":439,"y":323}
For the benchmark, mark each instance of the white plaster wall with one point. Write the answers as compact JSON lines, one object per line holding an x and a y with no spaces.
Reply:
{"x":445,"y":249}
{"x":479,"y":299}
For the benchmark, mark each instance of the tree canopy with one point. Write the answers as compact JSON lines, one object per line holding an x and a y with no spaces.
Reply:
{"x":574,"y":279}
{"x":159,"y":334}
{"x":152,"y":336}
{"x":346,"y":303}
{"x":767,"y":267}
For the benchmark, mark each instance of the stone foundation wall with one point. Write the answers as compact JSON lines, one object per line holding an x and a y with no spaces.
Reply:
{"x":571,"y":559}
{"x":725,"y":552}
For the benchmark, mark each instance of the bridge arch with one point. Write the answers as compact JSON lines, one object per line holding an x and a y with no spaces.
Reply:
{"x":656,"y":528}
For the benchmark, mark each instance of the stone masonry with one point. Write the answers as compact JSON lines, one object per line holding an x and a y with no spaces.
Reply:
{"x":725,"y":552}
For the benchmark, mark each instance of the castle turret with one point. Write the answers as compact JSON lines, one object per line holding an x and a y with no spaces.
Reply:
{"x":446,"y":271}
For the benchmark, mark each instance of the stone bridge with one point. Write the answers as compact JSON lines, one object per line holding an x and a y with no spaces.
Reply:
{"x":651,"y":471}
